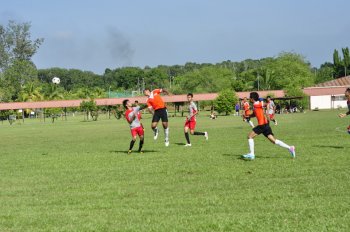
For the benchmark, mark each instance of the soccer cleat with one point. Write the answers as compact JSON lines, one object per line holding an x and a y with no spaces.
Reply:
{"x":275,"y":122}
{"x":156,"y":134}
{"x":141,"y":152}
{"x":129,"y":152}
{"x":167,"y":142}
{"x":292,"y":151}
{"x":206,"y":135}
{"x":188,"y":145}
{"x":248,"y":156}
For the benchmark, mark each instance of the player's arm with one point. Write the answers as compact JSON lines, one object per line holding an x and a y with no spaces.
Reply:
{"x":150,"y":109}
{"x":165,"y":91}
{"x":341,"y":115}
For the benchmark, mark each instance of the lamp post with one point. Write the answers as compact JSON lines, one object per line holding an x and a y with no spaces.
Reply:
{"x":109,"y":92}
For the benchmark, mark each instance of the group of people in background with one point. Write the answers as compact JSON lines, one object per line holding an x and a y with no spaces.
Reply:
{"x":263,"y":111}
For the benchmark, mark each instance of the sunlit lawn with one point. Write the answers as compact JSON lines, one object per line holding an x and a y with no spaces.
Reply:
{"x":76,"y":176}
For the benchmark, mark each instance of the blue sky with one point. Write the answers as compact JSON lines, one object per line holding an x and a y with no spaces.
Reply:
{"x":97,"y":34}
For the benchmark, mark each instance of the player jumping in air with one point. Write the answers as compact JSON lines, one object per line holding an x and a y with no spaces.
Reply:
{"x":270,"y":109}
{"x":157,"y":107}
{"x":246,"y":114}
{"x":263,"y":127}
{"x":131,"y":115}
{"x":347,"y":95}
{"x":191,"y":121}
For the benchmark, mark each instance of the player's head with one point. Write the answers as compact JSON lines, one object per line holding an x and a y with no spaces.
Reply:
{"x":254,"y":96}
{"x":136,"y":102}
{"x":147,"y":92}
{"x":268,"y":98}
{"x":189,"y":97}
{"x":347,"y":93}
{"x":245,"y":99}
{"x":126,"y":103}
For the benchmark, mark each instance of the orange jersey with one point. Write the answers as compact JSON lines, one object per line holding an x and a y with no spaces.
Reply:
{"x":155,"y":100}
{"x":246,"y":109}
{"x":259,"y":112}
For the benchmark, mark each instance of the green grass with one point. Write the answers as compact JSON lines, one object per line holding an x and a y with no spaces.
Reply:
{"x":76,"y":176}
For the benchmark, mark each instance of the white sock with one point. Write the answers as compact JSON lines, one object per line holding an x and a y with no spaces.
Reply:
{"x":251,"y":123}
{"x":251,"y":146}
{"x":282,"y":144}
{"x":166,"y":132}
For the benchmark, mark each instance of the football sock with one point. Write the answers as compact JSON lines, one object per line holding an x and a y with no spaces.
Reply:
{"x":166,"y":132}
{"x":251,"y":146}
{"x":140,"y":145}
{"x":187,"y":138}
{"x":198,"y":133}
{"x":281,"y":144}
{"x":155,"y":130}
{"x":251,"y":123}
{"x":131,"y":144}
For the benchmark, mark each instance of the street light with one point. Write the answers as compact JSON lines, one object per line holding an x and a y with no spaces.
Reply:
{"x":109,"y":92}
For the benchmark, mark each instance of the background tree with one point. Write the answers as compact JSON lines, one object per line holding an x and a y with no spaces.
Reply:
{"x":16,"y":44}
{"x":225,"y":102}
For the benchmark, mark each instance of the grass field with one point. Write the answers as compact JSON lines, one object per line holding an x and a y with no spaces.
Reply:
{"x":76,"y":176}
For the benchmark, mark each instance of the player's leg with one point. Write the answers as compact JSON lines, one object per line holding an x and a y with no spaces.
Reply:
{"x":250,"y":122}
{"x":280,"y":143}
{"x":193,"y":132}
{"x":132,"y":142}
{"x":141,"y":135}
{"x":154,"y":124}
{"x":251,"y":136}
{"x":188,"y":144}
{"x":164,"y":117}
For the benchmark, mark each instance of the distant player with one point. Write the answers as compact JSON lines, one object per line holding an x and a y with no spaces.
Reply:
{"x":271,"y":109}
{"x":347,"y":95}
{"x":246,"y":113}
{"x":191,"y":121}
{"x":263,"y":127}
{"x":157,"y":107}
{"x":135,"y":125}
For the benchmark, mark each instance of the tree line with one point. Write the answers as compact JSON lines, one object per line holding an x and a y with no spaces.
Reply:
{"x":20,"y":80}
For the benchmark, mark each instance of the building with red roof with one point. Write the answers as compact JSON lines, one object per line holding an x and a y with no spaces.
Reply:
{"x":328,"y":95}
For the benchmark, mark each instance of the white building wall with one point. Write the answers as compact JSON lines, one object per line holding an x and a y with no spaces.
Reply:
{"x":325,"y":102}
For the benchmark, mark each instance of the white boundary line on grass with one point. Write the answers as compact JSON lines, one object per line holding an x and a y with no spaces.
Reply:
{"x":339,"y":130}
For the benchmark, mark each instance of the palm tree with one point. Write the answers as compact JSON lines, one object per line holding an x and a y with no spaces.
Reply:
{"x":30,"y":92}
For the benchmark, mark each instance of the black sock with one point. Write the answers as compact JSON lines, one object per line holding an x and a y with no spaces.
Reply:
{"x":198,"y":133}
{"x":131,"y":144}
{"x":140,"y":145}
{"x":187,"y":138}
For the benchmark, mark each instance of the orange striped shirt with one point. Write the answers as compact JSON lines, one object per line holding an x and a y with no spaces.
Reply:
{"x":155,"y":100}
{"x":259,"y":112}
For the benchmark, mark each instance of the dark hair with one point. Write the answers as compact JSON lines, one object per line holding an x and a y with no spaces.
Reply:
{"x":190,"y":94}
{"x":124,"y":102}
{"x":147,"y":89}
{"x":268,"y":97}
{"x":254,"y":95}
{"x":347,"y":90}
{"x":136,"y":101}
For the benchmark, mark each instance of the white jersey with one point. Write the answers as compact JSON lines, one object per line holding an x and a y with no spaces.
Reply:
{"x":129,"y":114}
{"x":192,"y":109}
{"x":271,"y":107}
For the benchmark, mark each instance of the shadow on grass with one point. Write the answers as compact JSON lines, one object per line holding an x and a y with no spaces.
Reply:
{"x":180,"y":144}
{"x":259,"y":157}
{"x":133,"y":152}
{"x":330,"y":146}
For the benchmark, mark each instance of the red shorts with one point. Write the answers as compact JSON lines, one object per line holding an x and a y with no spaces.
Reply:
{"x":190,"y":124}
{"x":137,"y":131}
{"x":271,"y":116}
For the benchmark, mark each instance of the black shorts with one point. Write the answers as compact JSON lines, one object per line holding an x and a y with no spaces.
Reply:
{"x":160,"y":114}
{"x":264,"y":129}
